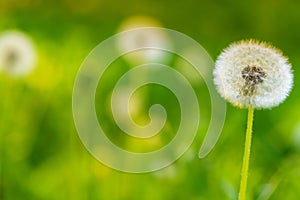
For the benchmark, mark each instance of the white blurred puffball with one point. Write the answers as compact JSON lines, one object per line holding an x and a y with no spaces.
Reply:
{"x":143,"y":38}
{"x":17,"y":53}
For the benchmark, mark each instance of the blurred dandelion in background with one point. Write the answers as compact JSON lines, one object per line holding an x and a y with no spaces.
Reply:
{"x":17,"y":53}
{"x":133,"y":118}
{"x":143,"y":38}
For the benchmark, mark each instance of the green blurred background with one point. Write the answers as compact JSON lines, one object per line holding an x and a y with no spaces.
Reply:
{"x":42,"y":156}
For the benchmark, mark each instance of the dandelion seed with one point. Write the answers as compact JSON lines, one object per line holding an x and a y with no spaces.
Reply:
{"x":17,"y":54}
{"x":249,"y":72}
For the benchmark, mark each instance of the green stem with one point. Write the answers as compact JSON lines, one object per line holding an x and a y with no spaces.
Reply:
{"x":245,"y":167}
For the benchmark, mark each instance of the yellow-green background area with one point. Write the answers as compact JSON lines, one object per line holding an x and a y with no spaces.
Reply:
{"x":42,"y":156}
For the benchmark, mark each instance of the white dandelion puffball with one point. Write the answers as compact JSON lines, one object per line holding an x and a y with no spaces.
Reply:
{"x":253,"y":73}
{"x":17,"y":53}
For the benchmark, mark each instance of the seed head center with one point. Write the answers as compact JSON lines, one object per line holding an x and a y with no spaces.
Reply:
{"x":253,"y":76}
{"x":11,"y":57}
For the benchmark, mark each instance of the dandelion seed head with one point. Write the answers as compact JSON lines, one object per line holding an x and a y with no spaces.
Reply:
{"x":250,"y":72}
{"x":17,"y":54}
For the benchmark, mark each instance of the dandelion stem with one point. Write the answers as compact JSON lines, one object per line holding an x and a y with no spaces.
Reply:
{"x":245,"y":167}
